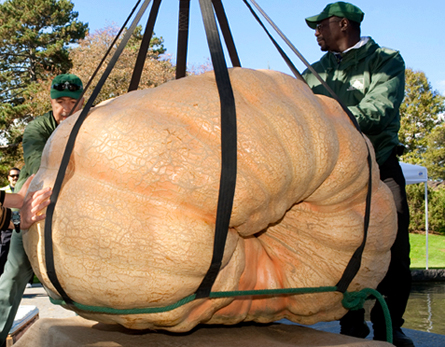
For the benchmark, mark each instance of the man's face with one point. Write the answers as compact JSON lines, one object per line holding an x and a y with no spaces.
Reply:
{"x":328,"y":34}
{"x":13,"y":177}
{"x":62,"y":107}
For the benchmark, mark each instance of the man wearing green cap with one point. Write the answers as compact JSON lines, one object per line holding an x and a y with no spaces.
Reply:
{"x":370,"y":81}
{"x":66,"y":90}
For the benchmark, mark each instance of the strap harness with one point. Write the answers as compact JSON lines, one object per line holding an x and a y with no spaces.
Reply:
{"x":228,"y":153}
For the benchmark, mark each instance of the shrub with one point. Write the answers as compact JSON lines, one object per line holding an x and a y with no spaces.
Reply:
{"x":436,"y":207}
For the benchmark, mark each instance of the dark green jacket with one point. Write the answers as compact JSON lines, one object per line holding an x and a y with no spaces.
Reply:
{"x":370,"y":81}
{"x":35,"y":136}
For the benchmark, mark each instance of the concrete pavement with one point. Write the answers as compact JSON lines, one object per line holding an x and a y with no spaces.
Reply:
{"x":37,"y":296}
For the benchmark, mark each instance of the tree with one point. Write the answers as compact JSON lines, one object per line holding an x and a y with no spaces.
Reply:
{"x":435,"y":153}
{"x":35,"y":36}
{"x":90,"y":51}
{"x":422,"y":132}
{"x":436,"y":207}
{"x":419,"y":114}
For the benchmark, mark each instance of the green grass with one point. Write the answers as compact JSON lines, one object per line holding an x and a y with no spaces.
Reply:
{"x":436,"y":251}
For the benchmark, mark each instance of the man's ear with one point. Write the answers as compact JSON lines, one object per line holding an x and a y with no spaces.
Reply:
{"x":344,"y":24}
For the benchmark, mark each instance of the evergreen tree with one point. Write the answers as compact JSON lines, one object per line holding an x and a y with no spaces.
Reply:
{"x":34,"y":47}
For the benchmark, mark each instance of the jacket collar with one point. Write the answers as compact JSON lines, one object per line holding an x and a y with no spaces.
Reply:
{"x":363,"y":41}
{"x":354,"y":54}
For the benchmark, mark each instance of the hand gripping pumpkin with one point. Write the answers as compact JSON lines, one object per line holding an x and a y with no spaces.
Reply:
{"x":134,"y":223}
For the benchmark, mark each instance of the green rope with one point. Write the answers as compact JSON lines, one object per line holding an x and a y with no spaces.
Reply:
{"x":109,"y":310}
{"x":190,"y":298}
{"x":355,"y":301}
{"x":351,"y":301}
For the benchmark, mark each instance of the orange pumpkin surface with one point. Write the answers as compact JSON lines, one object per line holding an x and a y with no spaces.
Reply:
{"x":134,"y":223}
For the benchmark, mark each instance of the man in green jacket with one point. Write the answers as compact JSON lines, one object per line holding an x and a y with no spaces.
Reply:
{"x":66,"y":89}
{"x":370,"y":81}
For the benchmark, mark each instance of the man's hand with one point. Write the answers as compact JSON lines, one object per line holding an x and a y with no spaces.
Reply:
{"x":15,"y":200}
{"x":33,"y":204}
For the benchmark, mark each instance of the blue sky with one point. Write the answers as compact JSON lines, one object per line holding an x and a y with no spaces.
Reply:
{"x":415,"y":28}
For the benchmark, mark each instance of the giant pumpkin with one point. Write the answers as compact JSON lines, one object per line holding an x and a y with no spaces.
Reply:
{"x":134,"y":223}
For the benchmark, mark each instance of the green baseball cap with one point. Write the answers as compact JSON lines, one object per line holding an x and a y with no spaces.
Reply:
{"x":66,"y":85}
{"x":338,"y":9}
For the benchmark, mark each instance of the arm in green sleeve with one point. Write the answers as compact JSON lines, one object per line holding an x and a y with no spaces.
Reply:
{"x":380,"y":105}
{"x":34,"y":140}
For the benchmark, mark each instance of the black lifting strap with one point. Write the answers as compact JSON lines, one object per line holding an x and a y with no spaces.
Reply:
{"x":183,"y":30}
{"x":228,"y":148}
{"x":145,"y":45}
{"x":355,"y":262}
{"x":183,"y":27}
{"x":275,"y":43}
{"x":93,"y":76}
{"x":225,"y":30}
{"x":356,"y":259}
{"x":49,"y":255}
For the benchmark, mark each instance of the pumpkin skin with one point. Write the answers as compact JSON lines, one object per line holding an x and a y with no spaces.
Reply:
{"x":134,"y":222}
